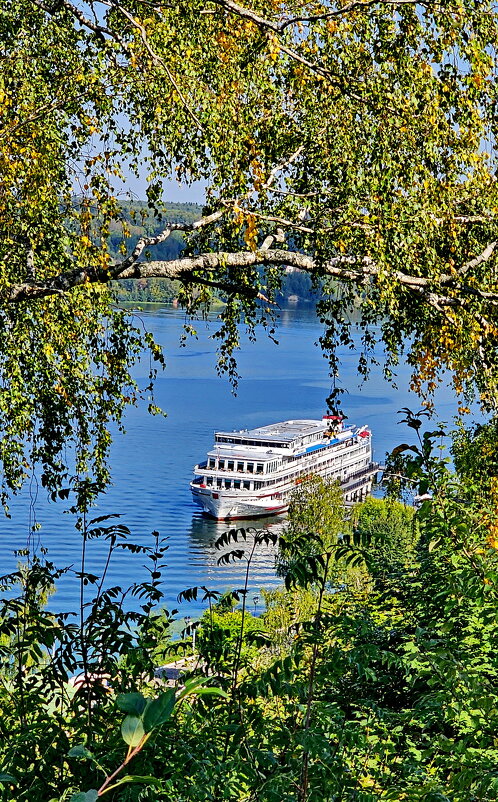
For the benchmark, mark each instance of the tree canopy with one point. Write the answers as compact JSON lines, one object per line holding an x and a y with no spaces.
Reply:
{"x":352,"y":140}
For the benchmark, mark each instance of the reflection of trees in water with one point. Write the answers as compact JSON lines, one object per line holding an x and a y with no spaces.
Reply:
{"x":298,"y":313}
{"x":203,"y":534}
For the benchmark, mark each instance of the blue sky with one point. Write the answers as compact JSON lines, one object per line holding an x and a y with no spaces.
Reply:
{"x":179,"y":193}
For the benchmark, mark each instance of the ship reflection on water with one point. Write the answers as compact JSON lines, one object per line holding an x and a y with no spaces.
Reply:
{"x":204,"y":555}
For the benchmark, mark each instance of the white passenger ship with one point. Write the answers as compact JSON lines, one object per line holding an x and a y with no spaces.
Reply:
{"x":252,"y":472}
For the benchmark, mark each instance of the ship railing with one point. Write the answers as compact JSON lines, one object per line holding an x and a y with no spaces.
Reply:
{"x":309,"y":457}
{"x":338,"y":446}
{"x":359,"y":478}
{"x":351,"y":483}
{"x":308,"y":464}
{"x":305,"y":463}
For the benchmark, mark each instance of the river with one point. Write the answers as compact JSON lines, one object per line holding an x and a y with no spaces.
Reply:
{"x":152,"y":463}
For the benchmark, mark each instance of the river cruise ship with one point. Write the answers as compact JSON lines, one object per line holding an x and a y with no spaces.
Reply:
{"x":252,"y":472}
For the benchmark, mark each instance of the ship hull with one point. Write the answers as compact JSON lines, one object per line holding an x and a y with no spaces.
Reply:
{"x":231,"y":508}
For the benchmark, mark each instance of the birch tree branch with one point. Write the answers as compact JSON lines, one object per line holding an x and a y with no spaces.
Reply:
{"x":191,"y":270}
{"x":357,"y":5}
{"x":279,"y":27}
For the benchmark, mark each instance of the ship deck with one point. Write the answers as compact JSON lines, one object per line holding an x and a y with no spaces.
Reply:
{"x":285,"y":431}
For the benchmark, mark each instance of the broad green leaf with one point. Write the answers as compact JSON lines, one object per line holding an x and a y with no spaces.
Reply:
{"x":211,"y":692}
{"x":132,"y":703}
{"x":132,"y":730}
{"x":7,"y":778}
{"x":159,"y":710}
{"x":197,"y":685}
{"x":81,"y":752}
{"x":85,"y":796}
{"x":191,"y":684}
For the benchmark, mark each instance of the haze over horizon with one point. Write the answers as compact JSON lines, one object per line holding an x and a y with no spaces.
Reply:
{"x":174,"y":191}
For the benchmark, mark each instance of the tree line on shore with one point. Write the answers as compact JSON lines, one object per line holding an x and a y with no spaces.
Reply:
{"x":141,"y":223}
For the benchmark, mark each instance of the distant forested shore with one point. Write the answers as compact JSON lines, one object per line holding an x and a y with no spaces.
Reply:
{"x":139,"y":222}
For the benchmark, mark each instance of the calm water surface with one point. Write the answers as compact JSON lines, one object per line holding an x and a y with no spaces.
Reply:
{"x":152,"y":463}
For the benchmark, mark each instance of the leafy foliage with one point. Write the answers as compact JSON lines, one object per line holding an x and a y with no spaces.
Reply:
{"x":371,"y":675}
{"x":354,"y":143}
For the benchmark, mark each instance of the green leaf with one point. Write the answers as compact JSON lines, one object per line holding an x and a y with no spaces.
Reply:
{"x":192,"y":684}
{"x":85,"y":796}
{"x":132,"y":730}
{"x":135,"y":778}
{"x":7,"y":778}
{"x":81,"y":752}
{"x":433,"y":544}
{"x":212,"y":692}
{"x":132,"y":703}
{"x":197,"y":686}
{"x":159,"y":710}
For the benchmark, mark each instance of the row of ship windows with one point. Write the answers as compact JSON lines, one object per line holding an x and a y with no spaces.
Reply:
{"x":309,"y":438}
{"x":263,"y":444}
{"x":259,"y":467}
{"x":252,"y":467}
{"x":247,"y":467}
{"x":232,"y":484}
{"x":260,"y":443}
{"x":239,"y":484}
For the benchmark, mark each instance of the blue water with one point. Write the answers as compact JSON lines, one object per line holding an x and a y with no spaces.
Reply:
{"x":152,"y":463}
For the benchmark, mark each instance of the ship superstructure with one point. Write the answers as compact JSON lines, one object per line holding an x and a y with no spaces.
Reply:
{"x":252,"y":472}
